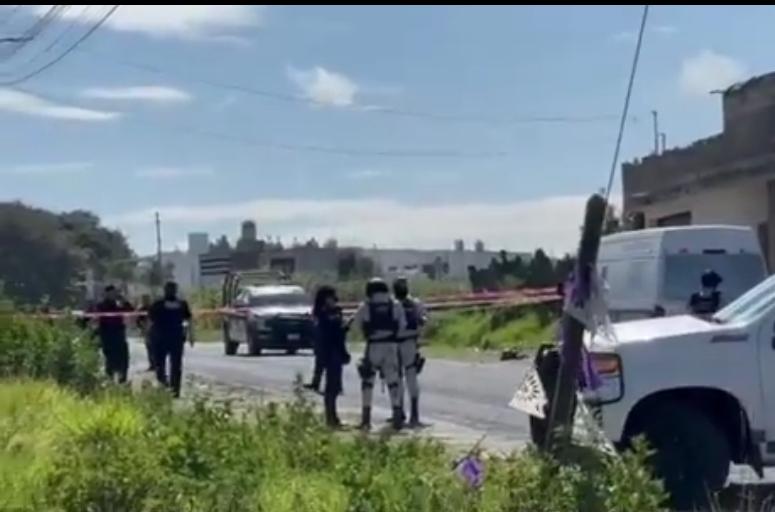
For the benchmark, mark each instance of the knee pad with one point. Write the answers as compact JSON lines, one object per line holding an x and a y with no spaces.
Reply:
{"x":366,"y":370}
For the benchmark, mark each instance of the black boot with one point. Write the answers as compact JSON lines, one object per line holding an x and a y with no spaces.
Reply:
{"x":414,"y":415}
{"x":330,"y":408}
{"x":398,"y":418}
{"x":366,"y":418}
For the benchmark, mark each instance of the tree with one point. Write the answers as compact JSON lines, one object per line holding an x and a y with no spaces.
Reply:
{"x":48,"y":254}
{"x":540,"y":271}
{"x":221,"y":245}
{"x":563,"y":268}
{"x":106,"y":251}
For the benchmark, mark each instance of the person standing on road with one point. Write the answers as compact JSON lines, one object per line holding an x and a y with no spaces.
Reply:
{"x":111,"y":330}
{"x":410,"y":360}
{"x":169,"y":317}
{"x":332,"y":355}
{"x":708,"y":299}
{"x":381,"y":318}
{"x":144,"y":326}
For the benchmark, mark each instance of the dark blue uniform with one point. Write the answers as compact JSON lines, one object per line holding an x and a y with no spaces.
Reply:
{"x":112,"y":333}
{"x":169,"y":337}
{"x":333,"y":356}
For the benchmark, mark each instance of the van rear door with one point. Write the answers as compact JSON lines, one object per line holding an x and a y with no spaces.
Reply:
{"x":632,"y":287}
{"x":740,"y":272}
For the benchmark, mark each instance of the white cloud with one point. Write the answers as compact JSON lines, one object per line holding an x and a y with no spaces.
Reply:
{"x":182,"y":21}
{"x":151,"y":93}
{"x":29,"y":104}
{"x":367,"y":174}
{"x":49,"y":169}
{"x":324,"y":87}
{"x":552,"y":223}
{"x":630,"y":36}
{"x":624,"y":36}
{"x":171,"y":173}
{"x":667,"y":30}
{"x":708,"y":71}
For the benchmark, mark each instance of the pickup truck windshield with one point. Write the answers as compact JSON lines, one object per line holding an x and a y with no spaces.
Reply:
{"x":279,"y":299}
{"x":750,"y":305}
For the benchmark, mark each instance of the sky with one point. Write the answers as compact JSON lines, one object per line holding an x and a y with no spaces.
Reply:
{"x":387,"y":126}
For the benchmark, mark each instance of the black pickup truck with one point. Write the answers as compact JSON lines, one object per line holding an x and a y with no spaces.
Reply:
{"x":275,"y":317}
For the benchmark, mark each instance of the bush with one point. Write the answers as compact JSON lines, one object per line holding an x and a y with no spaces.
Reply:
{"x":86,"y":448}
{"x":122,"y":453}
{"x":48,"y":350}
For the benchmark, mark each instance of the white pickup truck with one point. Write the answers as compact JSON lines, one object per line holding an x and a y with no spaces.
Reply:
{"x":702,"y":391}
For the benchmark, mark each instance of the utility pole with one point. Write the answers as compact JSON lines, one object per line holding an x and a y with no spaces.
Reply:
{"x":663,"y":137}
{"x":563,"y":402}
{"x":159,"y":269}
{"x":655,"y":115}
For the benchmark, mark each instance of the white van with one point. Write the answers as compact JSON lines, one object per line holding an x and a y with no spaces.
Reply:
{"x":651,"y":272}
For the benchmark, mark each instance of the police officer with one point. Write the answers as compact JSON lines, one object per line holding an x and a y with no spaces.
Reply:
{"x":409,"y":358}
{"x":381,"y":318}
{"x":708,"y":299}
{"x":331,"y":349}
{"x":169,"y":316}
{"x":111,"y":330}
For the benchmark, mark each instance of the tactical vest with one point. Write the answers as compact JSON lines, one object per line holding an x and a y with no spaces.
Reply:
{"x":410,"y":310}
{"x":705,"y":304}
{"x":381,"y":320}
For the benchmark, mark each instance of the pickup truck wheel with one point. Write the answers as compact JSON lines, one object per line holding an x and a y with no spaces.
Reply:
{"x":692,"y":455}
{"x":229,"y":347}
{"x":254,"y":347}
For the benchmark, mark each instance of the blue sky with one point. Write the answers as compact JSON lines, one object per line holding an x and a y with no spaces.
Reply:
{"x":98,"y":132}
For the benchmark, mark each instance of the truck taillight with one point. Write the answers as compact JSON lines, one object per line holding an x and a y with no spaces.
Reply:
{"x":606,"y":364}
{"x":610,"y":385}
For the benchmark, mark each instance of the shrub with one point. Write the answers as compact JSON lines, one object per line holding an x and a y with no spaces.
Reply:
{"x":117,"y":452}
{"x":48,"y":350}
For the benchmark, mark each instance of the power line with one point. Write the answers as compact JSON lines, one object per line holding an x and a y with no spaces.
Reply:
{"x":29,"y":35}
{"x":65,"y":53}
{"x":626,"y":108}
{"x":248,"y":140}
{"x":384,"y":110}
{"x":77,"y":20}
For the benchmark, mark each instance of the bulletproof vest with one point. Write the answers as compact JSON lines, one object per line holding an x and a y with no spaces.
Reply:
{"x":380,"y":319}
{"x":705,"y":304}
{"x":410,"y":311}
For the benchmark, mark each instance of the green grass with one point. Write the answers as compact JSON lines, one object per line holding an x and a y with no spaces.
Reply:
{"x":71,"y":443}
{"x":521,"y":328}
{"x":114,"y":451}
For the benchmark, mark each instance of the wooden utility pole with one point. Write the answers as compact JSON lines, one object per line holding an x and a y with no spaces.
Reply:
{"x":563,"y":402}
{"x":159,"y":273}
{"x":655,"y":115}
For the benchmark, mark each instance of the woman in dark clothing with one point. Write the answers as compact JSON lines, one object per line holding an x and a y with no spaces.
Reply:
{"x":332,"y":349}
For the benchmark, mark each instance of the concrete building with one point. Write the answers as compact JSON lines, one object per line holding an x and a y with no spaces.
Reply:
{"x":728,"y":178}
{"x":451,"y":263}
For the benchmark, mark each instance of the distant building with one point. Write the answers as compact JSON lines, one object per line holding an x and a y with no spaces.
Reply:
{"x":198,"y":243}
{"x":728,"y":178}
{"x":446,"y":263}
